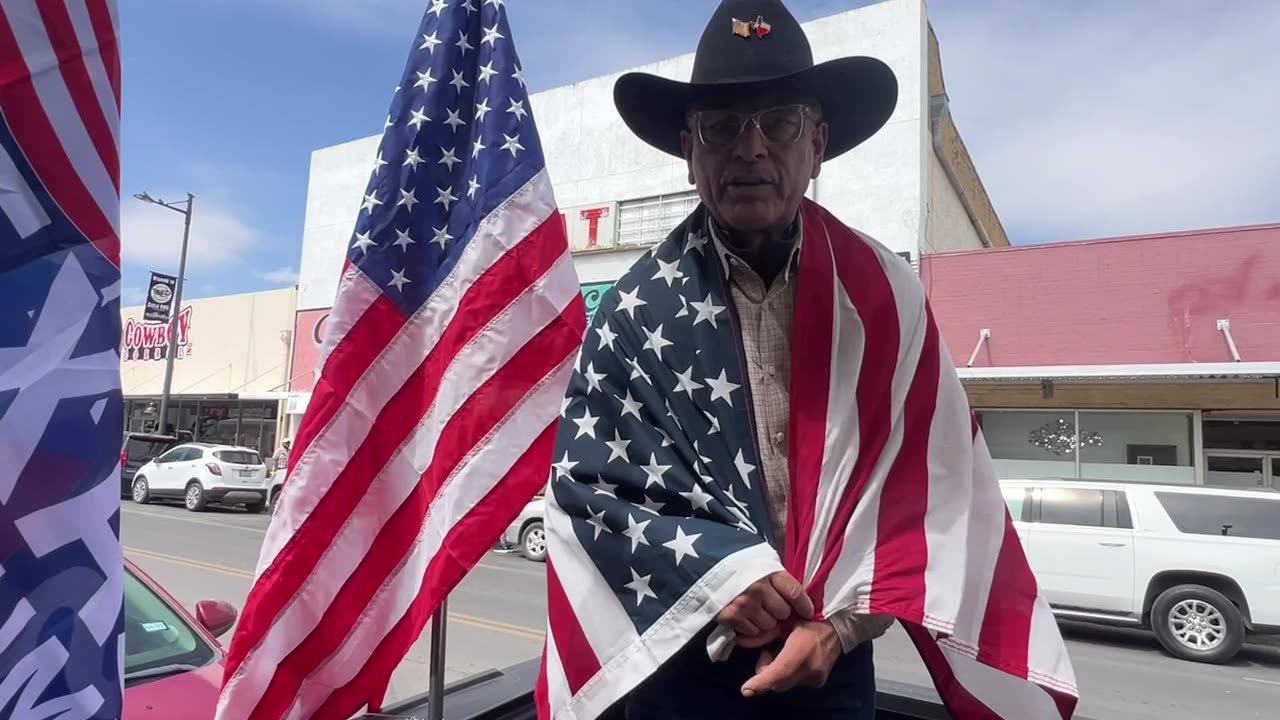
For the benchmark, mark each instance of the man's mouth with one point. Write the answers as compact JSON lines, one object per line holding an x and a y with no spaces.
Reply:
{"x":748,"y":182}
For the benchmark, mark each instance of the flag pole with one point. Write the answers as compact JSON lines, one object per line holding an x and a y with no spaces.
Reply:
{"x":435,"y":691}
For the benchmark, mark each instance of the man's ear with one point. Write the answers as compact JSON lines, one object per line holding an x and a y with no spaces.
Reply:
{"x":821,"y":134}
{"x":686,"y":147}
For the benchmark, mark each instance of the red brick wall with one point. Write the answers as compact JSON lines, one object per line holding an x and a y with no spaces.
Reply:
{"x":1132,"y":300}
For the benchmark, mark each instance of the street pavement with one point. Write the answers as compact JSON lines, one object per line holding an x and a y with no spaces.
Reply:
{"x":497,"y":617}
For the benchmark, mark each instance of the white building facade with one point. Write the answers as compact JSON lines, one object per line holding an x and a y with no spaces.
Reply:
{"x":912,"y":186}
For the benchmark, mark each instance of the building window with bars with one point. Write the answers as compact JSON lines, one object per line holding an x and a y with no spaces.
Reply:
{"x":647,"y":221}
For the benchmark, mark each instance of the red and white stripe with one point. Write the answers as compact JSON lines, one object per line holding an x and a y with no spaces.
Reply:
{"x":423,"y":439}
{"x":895,"y":508}
{"x":60,"y":64}
{"x":905,"y":473}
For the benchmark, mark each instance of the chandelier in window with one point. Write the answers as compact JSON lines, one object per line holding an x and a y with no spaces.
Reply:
{"x":1059,"y":437}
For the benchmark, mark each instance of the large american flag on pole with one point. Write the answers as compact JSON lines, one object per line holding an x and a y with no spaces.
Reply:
{"x":657,"y":518}
{"x":61,"y":415}
{"x":451,"y":342}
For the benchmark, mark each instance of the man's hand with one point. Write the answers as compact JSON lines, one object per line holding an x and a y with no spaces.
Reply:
{"x":806,"y":659}
{"x":756,"y":615}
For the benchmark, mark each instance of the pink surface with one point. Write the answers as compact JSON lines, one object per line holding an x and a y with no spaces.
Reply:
{"x":1153,"y":299}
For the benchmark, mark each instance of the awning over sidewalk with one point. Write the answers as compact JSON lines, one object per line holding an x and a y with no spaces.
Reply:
{"x":1104,"y":373}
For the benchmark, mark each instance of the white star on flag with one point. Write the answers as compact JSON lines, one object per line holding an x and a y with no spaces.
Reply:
{"x":597,"y":522}
{"x":592,"y":377}
{"x":635,"y":532}
{"x":398,"y":280}
{"x":640,"y":586}
{"x":517,"y":109}
{"x":698,"y":497}
{"x":442,"y":236}
{"x":638,"y":372}
{"x":450,"y":158}
{"x":446,"y":198}
{"x":402,"y":239}
{"x":630,"y":406}
{"x":408,"y":198}
{"x":512,"y":144}
{"x":454,"y":121}
{"x":364,"y":242}
{"x":682,"y":545}
{"x":617,"y":447}
{"x":463,"y":44}
{"x":653,"y":472}
{"x":586,"y":425}
{"x":486,"y":72}
{"x":458,"y":82}
{"x":744,"y":469}
{"x":411,"y":157}
{"x":607,"y":336}
{"x":492,"y":36}
{"x":628,"y":302}
{"x":429,"y":42}
{"x":707,"y":311}
{"x":721,"y":388}
{"x":565,"y":467}
{"x":686,"y":384}
{"x":417,"y":117}
{"x":670,"y":272}
{"x":656,"y":341}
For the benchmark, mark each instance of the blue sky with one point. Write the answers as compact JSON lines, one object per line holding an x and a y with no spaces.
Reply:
{"x":1098,"y":120}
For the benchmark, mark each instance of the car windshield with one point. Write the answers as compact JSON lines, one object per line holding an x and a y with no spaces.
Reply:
{"x":155,"y":635}
{"x":145,"y":448}
{"x":238,"y":457}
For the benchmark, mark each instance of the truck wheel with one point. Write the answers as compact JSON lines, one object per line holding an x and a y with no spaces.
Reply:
{"x":533,"y":542}
{"x":1197,"y":623}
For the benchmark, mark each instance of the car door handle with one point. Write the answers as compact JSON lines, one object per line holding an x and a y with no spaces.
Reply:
{"x":1113,"y":544}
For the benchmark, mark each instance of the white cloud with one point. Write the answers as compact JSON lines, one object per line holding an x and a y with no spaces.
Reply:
{"x":152,"y":235}
{"x":281,"y":276}
{"x":131,"y":296}
{"x":1125,"y":118}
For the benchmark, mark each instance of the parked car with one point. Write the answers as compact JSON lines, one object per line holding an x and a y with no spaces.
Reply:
{"x":1199,"y":567}
{"x":137,"y":450}
{"x":172,"y":660}
{"x":201,"y":473}
{"x":526,"y":533}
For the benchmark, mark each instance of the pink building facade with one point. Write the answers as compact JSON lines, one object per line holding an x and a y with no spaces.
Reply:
{"x":1153,"y":358}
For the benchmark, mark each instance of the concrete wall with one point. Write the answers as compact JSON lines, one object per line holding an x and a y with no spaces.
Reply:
{"x":879,"y":188}
{"x":231,"y":344}
{"x":948,"y":226}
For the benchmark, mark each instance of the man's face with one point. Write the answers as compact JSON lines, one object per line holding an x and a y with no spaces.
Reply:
{"x":754,"y":180}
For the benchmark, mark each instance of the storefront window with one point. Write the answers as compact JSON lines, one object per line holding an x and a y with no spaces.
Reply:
{"x":1030,"y":444}
{"x":1137,"y":447}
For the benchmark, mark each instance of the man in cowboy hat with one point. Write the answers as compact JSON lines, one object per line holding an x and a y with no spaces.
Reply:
{"x":755,"y":125}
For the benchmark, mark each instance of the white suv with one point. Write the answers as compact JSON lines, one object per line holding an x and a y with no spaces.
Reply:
{"x":201,"y":473}
{"x":1198,"y":566}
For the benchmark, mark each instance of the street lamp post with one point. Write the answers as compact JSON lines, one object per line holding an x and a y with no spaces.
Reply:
{"x":176,"y":309}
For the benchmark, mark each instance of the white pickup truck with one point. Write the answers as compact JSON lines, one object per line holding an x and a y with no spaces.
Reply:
{"x":1200,"y":567}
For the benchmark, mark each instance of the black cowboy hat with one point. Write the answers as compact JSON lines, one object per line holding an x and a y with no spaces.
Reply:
{"x":758,"y":46}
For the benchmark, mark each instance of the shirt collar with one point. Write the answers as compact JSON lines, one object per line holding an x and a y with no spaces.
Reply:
{"x":728,"y":254}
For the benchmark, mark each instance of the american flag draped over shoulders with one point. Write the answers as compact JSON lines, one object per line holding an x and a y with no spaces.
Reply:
{"x":455,"y":329}
{"x":61,"y":416}
{"x":656,"y":515}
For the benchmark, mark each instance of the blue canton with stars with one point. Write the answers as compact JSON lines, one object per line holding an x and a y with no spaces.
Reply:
{"x":655,"y":457}
{"x":459,"y":140}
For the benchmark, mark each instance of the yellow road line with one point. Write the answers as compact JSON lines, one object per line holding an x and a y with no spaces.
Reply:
{"x":479,"y":622}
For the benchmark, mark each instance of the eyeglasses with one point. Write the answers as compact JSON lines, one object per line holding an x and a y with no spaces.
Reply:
{"x":780,"y":125}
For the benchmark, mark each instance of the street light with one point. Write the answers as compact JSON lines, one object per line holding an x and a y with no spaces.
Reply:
{"x":176,"y":309}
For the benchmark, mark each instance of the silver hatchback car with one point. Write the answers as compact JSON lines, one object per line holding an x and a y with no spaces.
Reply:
{"x":526,"y":534}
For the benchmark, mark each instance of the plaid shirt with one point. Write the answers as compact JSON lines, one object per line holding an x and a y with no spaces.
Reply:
{"x":766,"y":314}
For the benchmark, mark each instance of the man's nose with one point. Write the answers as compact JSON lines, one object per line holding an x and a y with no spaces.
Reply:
{"x":751,"y":144}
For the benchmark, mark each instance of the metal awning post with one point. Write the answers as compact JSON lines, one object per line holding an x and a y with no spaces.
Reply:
{"x":435,"y":692}
{"x":1224,"y":327}
{"x":983,"y":336}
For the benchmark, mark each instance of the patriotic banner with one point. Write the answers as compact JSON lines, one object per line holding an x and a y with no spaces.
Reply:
{"x":443,"y":367}
{"x":657,"y":518}
{"x":61,"y":413}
